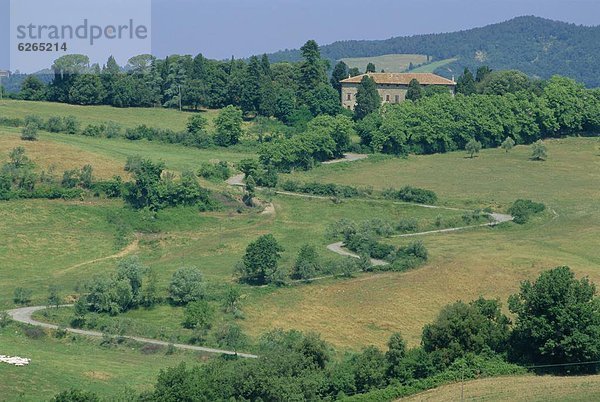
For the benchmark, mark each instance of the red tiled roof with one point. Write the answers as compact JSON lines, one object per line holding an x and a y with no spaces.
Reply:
{"x":401,"y":79}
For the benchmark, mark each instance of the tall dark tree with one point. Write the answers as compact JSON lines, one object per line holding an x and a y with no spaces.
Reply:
{"x":466,"y":83}
{"x":340,"y":72}
{"x":312,"y":68}
{"x":370,"y":68}
{"x":482,"y":72}
{"x":367,"y":98}
{"x":415,"y":91}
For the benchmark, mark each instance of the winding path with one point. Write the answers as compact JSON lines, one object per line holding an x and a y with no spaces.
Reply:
{"x":497,"y":219}
{"x":24,"y":314}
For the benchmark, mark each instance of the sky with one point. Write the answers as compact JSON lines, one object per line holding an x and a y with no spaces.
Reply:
{"x":224,"y":28}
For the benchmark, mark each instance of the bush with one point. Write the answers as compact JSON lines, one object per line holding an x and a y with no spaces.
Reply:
{"x":522,"y":210}
{"x":411,"y":194}
{"x":93,"y":130}
{"x":407,"y":225}
{"x":33,"y":120}
{"x":186,"y":286}
{"x":219,"y":171}
{"x":55,"y":124}
{"x":5,"y":319}
{"x":22,"y":296}
{"x":34,"y":332}
{"x":11,"y":122}
{"x":75,"y":395}
{"x":29,"y":132}
{"x":71,"y":125}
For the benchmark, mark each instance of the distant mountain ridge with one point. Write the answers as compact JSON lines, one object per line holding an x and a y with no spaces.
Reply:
{"x":539,"y":47}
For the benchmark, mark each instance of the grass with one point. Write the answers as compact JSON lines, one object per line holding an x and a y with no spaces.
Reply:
{"x":462,"y":265}
{"x":108,"y":156}
{"x":431,"y":67}
{"x":521,"y":388}
{"x":79,"y":362}
{"x":126,"y":117}
{"x":391,"y":63}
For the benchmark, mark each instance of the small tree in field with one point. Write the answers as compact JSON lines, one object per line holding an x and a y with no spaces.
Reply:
{"x":259,"y":265}
{"x":538,"y":151}
{"x":508,"y":144}
{"x":29,"y":133}
{"x":186,"y":286}
{"x":473,"y":147}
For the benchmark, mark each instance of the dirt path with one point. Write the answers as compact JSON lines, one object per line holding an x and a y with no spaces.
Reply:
{"x":129,"y":249}
{"x":349,"y":157}
{"x":23,"y":315}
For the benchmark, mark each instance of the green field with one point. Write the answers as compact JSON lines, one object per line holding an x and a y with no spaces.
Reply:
{"x":391,"y":63}
{"x":79,"y":362}
{"x":66,"y":242}
{"x":431,"y":67}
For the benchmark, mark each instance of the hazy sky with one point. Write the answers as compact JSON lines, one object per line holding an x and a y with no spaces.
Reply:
{"x":222,"y":28}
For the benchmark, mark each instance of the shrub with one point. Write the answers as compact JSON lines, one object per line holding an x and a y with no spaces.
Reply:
{"x":522,"y":210}
{"x":22,"y":296}
{"x":71,"y":125}
{"x":33,"y":120}
{"x":93,"y":130}
{"x":29,"y":132}
{"x":55,"y":124}
{"x":412,"y":194}
{"x":34,"y":332}
{"x":75,"y":395}
{"x":186,"y":286}
{"x":11,"y":122}
{"x":215,"y":171}
{"x":5,"y":319}
{"x":406,"y":225}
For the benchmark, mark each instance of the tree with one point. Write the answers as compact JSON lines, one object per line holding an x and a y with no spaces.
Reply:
{"x":196,"y":124}
{"x":259,"y":264}
{"x":482,"y":72}
{"x":149,"y":293}
{"x":32,"y":88}
{"x":370,"y":68}
{"x":186,"y":286}
{"x":228,"y":126}
{"x":132,"y":270}
{"x":53,"y":296}
{"x":198,"y":315}
{"x":29,"y":132}
{"x":367,"y":98}
{"x":508,"y":144}
{"x":87,"y":89}
{"x":466,"y":83}
{"x":395,"y":356}
{"x":232,"y":300}
{"x":312,"y":69}
{"x":538,"y":151}
{"x":415,"y":91}
{"x":557,"y":321}
{"x":462,"y":328}
{"x":473,"y":147}
{"x":307,"y":263}
{"x":232,"y":337}
{"x":340,"y":72}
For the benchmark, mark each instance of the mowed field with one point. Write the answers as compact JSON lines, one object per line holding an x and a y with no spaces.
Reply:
{"x":517,"y":389}
{"x":391,"y":63}
{"x":431,"y":67}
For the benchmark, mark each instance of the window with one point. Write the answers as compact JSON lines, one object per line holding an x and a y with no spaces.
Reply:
{"x":397,"y":98}
{"x":387,"y":98}
{"x":349,"y":96}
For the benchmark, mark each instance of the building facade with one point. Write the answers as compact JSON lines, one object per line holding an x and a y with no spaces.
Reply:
{"x":392,"y":87}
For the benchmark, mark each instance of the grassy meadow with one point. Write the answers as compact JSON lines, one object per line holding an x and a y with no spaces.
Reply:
{"x":431,"y":67}
{"x":391,"y":63}
{"x":80,"y":362}
{"x":518,"y":389}
{"x":64,"y":243}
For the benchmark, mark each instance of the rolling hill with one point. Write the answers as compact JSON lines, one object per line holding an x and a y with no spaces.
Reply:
{"x":539,"y":47}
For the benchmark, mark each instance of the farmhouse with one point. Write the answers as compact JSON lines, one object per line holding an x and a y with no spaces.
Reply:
{"x":392,"y":87}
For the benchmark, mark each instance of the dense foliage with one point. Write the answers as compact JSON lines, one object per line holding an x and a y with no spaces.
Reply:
{"x":536,"y":46}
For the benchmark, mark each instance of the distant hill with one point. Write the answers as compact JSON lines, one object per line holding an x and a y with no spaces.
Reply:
{"x":539,"y":47}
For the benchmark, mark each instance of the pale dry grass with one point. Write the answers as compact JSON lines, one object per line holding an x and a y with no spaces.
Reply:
{"x":522,"y":388}
{"x":48,"y":154}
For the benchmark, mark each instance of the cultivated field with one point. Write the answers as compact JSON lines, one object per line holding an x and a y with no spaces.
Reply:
{"x":391,"y":63}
